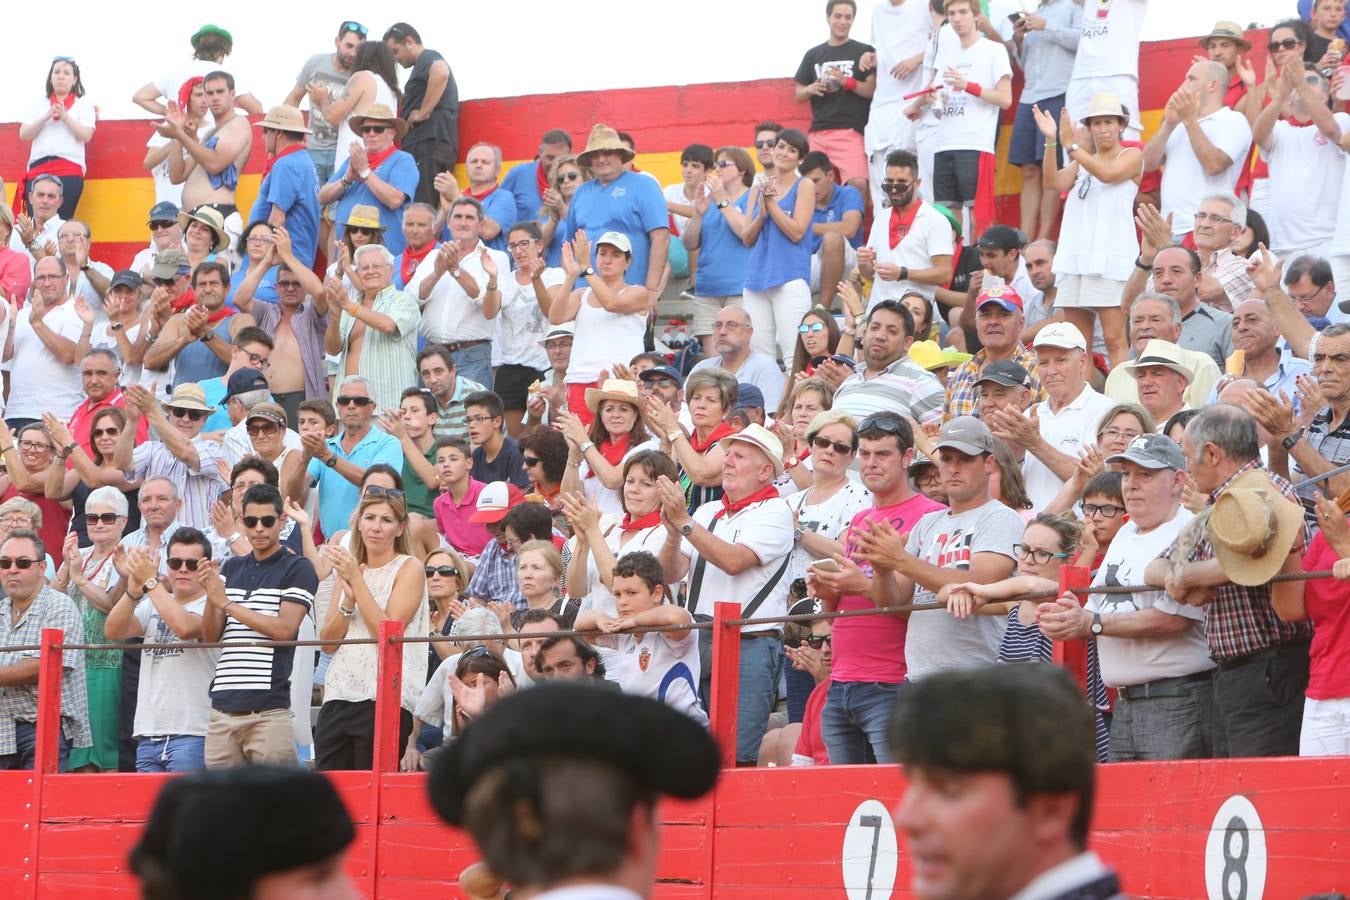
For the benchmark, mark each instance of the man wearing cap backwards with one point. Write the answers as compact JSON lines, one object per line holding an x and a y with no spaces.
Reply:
{"x":999,"y":770}
{"x":998,"y":322}
{"x":286,"y":197}
{"x":886,"y":379}
{"x":732,"y":330}
{"x":211,"y":168}
{"x":1226,"y":559}
{"x":41,"y":348}
{"x":1056,"y":431}
{"x":198,"y":340}
{"x":1161,"y":378}
{"x":971,"y":541}
{"x":558,"y":787}
{"x":622,"y":201}
{"x":1152,"y":649}
{"x":737,"y":549}
{"x":910,"y":247}
{"x":376,"y":174}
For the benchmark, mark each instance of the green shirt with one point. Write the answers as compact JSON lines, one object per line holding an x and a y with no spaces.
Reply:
{"x":415,"y":490}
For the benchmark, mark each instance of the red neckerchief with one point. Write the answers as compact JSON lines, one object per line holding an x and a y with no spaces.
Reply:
{"x":409,"y":261}
{"x":540,"y":177}
{"x":374,"y":162}
{"x":1297,"y":123}
{"x":900,"y":223}
{"x":722,"y":430}
{"x":67,"y":101}
{"x":272,"y":161}
{"x":650,"y":520}
{"x":956,"y":256}
{"x":731,"y":507}
{"x":223,"y":313}
{"x":480,"y":197}
{"x":189,"y":298}
{"x":612,"y":451}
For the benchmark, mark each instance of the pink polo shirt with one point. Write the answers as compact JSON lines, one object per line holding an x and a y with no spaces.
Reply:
{"x":452,"y":520}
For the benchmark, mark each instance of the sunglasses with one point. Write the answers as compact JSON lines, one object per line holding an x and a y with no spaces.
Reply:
{"x":177,"y":562}
{"x":895,"y":187}
{"x":162,"y":226}
{"x":530,"y":460}
{"x":815,"y":643}
{"x":1286,"y":44}
{"x":767,"y":145}
{"x":824,"y":443}
{"x":163,"y":282}
{"x":568,"y":176}
{"x":1105,"y":510}
{"x":288,"y":285}
{"x":263,"y":428}
{"x":34,"y":446}
{"x":101,"y":432}
{"x":354,"y":401}
{"x":21,"y":562}
{"x":811,"y":328}
{"x":196,"y":415}
{"x":374,"y":490}
{"x":368,"y":232}
{"x":253,"y":521}
{"x":354,"y":26}
{"x":105,"y":518}
{"x":887,"y":423}
{"x":443,"y":571}
{"x":724,"y":163}
{"x":64,"y":59}
{"x":374,"y":129}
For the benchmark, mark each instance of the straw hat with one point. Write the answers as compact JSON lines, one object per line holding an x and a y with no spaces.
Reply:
{"x":284,"y":118}
{"x":212,"y":219}
{"x":378,"y":112}
{"x":603,"y":137}
{"x":189,"y":395}
{"x":613,"y":389}
{"x":1161,"y":353}
{"x":363,"y":216}
{"x":1231,"y":31}
{"x":763,"y":439}
{"x":1252,"y":527}
{"x":1106,"y":104}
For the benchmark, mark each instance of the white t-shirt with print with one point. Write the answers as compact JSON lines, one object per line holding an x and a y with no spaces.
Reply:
{"x":520,"y":324}
{"x":1110,"y":41}
{"x":828,"y":519}
{"x":969,"y":123}
{"x":765,"y":528}
{"x":174,"y":691}
{"x":1184,"y":181}
{"x":662,"y":665}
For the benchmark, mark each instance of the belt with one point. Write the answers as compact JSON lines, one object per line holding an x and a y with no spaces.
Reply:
{"x":1163,"y":687}
{"x":751,"y":635}
{"x":456,"y":346}
{"x":1268,"y":653}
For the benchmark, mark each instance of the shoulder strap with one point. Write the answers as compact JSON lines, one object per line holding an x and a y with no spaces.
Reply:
{"x":696,"y":580}
{"x":696,"y":583}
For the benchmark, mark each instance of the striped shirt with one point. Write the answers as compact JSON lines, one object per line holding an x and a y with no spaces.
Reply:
{"x":961,"y":383}
{"x":902,"y":386}
{"x":389,"y":361}
{"x":198,"y":488}
{"x":19,"y":702}
{"x":251,"y":679}
{"x":308,"y":327}
{"x":450,"y":418}
{"x":140,"y":538}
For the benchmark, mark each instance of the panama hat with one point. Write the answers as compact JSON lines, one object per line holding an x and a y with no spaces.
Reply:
{"x":1231,"y":31}
{"x":189,"y":395}
{"x":602,"y":137}
{"x":378,"y":112}
{"x":284,"y":118}
{"x":1103,"y":104}
{"x":1160,"y":353}
{"x":211,"y":218}
{"x":762,"y":439}
{"x":613,"y":389}
{"x":1252,"y":527}
{"x":363,"y":216}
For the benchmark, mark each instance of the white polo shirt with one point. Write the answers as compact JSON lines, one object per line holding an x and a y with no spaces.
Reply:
{"x":662,"y":665}
{"x":766,"y":528}
{"x":1184,"y":182}
{"x":449,"y":314}
{"x":1070,"y":431}
{"x":930,"y":235}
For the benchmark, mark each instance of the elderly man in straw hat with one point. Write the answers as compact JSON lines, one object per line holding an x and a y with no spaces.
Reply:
{"x":181,"y":454}
{"x":1224,"y":561}
{"x":375,"y":174}
{"x":737,"y":549}
{"x":286,"y":197}
{"x":622,"y":201}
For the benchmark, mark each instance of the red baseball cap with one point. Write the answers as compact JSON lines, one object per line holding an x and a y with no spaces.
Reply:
{"x":1003,"y":295}
{"x":496,"y":500}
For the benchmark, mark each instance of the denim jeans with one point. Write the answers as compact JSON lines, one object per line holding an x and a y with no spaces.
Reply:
{"x":475,"y":363}
{"x":853,"y":722}
{"x":25,"y":745}
{"x":173,"y":753}
{"x":323,"y":163}
{"x":761,"y":666}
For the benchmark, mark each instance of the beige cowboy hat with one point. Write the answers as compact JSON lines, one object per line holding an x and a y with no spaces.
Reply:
{"x":1104,"y":104}
{"x":1230,"y":30}
{"x":603,"y":137}
{"x":378,"y":112}
{"x":189,"y":395}
{"x":1253,"y":527}
{"x":1161,"y":353}
{"x":211,"y":218}
{"x":363,"y":216}
{"x":613,"y":389}
{"x":762,"y":439}
{"x":284,"y":118}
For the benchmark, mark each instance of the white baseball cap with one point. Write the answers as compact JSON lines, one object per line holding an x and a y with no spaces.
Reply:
{"x":1060,"y":334}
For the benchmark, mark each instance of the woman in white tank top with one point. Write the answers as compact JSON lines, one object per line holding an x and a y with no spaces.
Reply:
{"x":374,"y":79}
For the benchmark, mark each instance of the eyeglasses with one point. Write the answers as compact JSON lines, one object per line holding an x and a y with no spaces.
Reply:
{"x":520,"y":245}
{"x":102,"y":432}
{"x":375,"y":490}
{"x":476,"y":420}
{"x":259,"y":239}
{"x":162,"y":226}
{"x":443,"y":571}
{"x":96,"y":518}
{"x":34,"y":446}
{"x":1105,"y":510}
{"x":262,"y":428}
{"x":16,"y":520}
{"x":767,"y":145}
{"x":21,"y":562}
{"x":811,"y":328}
{"x":1119,"y":433}
{"x":346,"y":400}
{"x":894,"y":187}
{"x":288,"y":285}
{"x":177,"y":562}
{"x":931,"y":478}
{"x":531,"y":460}
{"x":886,"y":422}
{"x":257,"y":361}
{"x":815,"y":643}
{"x":824,"y":443}
{"x":353,"y":26}
{"x":567,"y":176}
{"x":196,"y":415}
{"x":254,"y":521}
{"x":1286,"y":44}
{"x":1309,"y":298}
{"x":374,"y":129}
{"x":53,"y":278}
{"x":1035,"y":554}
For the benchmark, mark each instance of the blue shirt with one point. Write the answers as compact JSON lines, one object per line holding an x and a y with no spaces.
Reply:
{"x":775,"y":259}
{"x":214,"y":390}
{"x":631,"y":204}
{"x":398,"y":170}
{"x":338,"y":496}
{"x":523,"y":183}
{"x":845,"y":199}
{"x":267,"y":285}
{"x":1305,"y":13}
{"x":500,"y":206}
{"x":197,"y":362}
{"x":291,"y":186}
{"x":722,"y":255}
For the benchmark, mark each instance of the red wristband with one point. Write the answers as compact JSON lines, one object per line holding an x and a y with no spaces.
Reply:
{"x":973,"y":89}
{"x":850,"y":83}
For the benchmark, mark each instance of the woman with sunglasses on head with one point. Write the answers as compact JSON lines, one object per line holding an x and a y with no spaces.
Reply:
{"x":59,"y":126}
{"x":713,"y":234}
{"x":72,"y":484}
{"x":564,"y":177}
{"x":823,"y":511}
{"x":522,"y":321}
{"x":377,"y":580}
{"x":809,"y":398}
{"x":88,"y":575}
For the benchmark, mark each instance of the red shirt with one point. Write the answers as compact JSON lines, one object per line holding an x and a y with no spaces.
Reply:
{"x":810,"y":742}
{"x":82,"y":421}
{"x":55,"y":520}
{"x":1327,"y":602}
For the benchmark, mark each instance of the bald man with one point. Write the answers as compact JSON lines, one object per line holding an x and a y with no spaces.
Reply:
{"x":1257,"y":336}
{"x":1202,"y":142}
{"x":731,"y":338}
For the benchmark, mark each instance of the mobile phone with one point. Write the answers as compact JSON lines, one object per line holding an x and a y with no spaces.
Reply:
{"x":825,"y":565}
{"x":1016,"y":17}
{"x":226,"y":495}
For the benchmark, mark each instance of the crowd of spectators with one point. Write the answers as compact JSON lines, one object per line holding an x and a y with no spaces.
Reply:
{"x":380,"y":393}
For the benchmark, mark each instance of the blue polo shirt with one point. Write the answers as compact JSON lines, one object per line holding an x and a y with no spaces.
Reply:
{"x":290,"y":187}
{"x":399,"y":170}
{"x":722,"y":255}
{"x":631,"y":204}
{"x":523,"y":183}
{"x":267,"y":285}
{"x":846,"y":198}
{"x":338,"y":496}
{"x":501,"y":206}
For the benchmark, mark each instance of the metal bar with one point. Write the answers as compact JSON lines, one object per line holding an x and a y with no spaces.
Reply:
{"x":726,"y":678}
{"x":1331,"y":473}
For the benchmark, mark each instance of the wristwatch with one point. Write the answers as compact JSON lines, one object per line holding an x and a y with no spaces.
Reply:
{"x":149,"y":586}
{"x":1289,"y":442}
{"x":675,"y":435}
{"x":208,"y":337}
{"x":69,"y":448}
{"x":686,"y":528}
{"x":723,"y":204}
{"x":792,"y":462}
{"x":1073,"y":148}
{"x":115,"y":326}
{"x":588,"y":272}
{"x":585,"y":445}
{"x":232,"y":538}
{"x":1096,"y":626}
{"x":364,"y":174}
{"x":331,"y":462}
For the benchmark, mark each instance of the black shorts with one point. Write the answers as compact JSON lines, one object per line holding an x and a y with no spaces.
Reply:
{"x":956,"y":176}
{"x":512,"y":383}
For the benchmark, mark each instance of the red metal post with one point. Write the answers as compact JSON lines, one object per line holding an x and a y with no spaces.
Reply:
{"x":1072,"y":655}
{"x":726,"y":678}
{"x":388,"y":694}
{"x":47,"y":752}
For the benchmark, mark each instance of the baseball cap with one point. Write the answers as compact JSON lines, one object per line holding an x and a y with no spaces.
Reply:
{"x":748,"y":396}
{"x":1003,"y":295}
{"x":1005,"y":372}
{"x":669,"y":372}
{"x":1153,"y":451}
{"x":245,"y":380}
{"x":127,"y":278}
{"x":764,"y":440}
{"x":1001,"y":237}
{"x":495,"y":501}
{"x":272,"y":412}
{"x":164,"y":211}
{"x":1060,"y":334}
{"x":616,"y":239}
{"x":967,"y":434}
{"x":169,"y":264}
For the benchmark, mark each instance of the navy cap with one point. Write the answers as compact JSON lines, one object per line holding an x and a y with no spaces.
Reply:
{"x":163,"y":211}
{"x":662,"y":372}
{"x":127,"y":278}
{"x":246,"y":380}
{"x":748,"y":396}
{"x":1001,"y":237}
